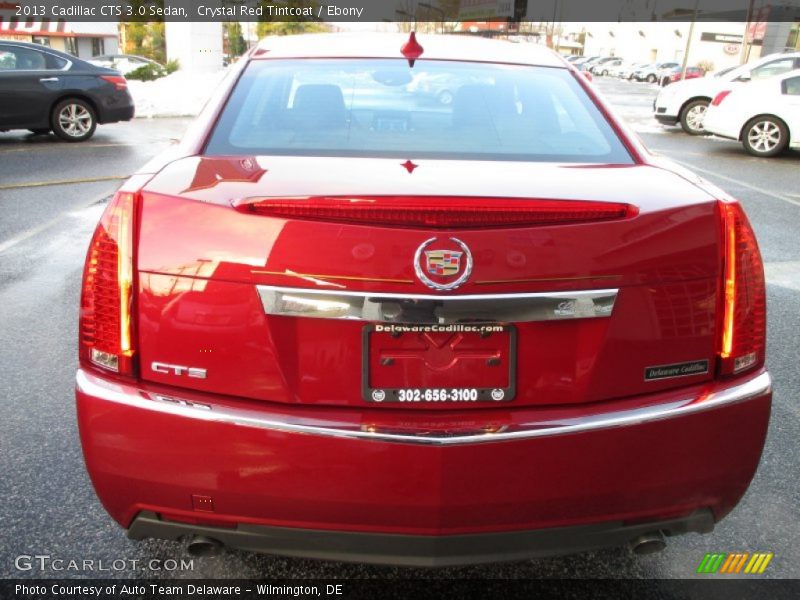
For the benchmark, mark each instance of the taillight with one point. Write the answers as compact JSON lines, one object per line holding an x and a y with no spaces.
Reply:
{"x":437,"y":212}
{"x":744,"y":309}
{"x":720,"y":97}
{"x":119,"y":81}
{"x":106,"y":336}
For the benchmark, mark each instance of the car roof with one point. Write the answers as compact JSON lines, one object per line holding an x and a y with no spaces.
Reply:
{"x":33,"y":46}
{"x":387,"y":45}
{"x":771,"y":57}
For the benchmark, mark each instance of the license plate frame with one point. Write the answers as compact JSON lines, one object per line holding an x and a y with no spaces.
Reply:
{"x":453,"y":396}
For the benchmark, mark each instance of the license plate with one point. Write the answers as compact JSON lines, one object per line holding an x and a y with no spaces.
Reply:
{"x":457,"y":363}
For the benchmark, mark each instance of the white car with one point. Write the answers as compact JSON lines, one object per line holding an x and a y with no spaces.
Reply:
{"x":123,"y":62}
{"x":764,"y":115}
{"x":626,"y":70}
{"x":685,"y":102}
{"x":651,"y":72}
{"x":604,"y":66}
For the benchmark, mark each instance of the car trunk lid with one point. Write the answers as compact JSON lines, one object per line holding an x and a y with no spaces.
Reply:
{"x":211,"y":271}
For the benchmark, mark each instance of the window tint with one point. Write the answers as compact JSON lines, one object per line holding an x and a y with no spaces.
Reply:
{"x":791,"y":86}
{"x":71,"y":45}
{"x":17,"y":58}
{"x":54,"y":62}
{"x":775,"y":67}
{"x":437,"y":109}
{"x":8,"y":60}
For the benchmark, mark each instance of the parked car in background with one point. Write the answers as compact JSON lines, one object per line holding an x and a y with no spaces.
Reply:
{"x":641,"y":68}
{"x":764,"y":115}
{"x":651,"y":72}
{"x":674,"y":74}
{"x":45,"y":90}
{"x":125,"y":63}
{"x":604,"y":66}
{"x":335,"y":322}
{"x":685,"y":102}
{"x":614,"y":70}
{"x":579,"y":62}
{"x":627,"y":70}
{"x":589,"y":62}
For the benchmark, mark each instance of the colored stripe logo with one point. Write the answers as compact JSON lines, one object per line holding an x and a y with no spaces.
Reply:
{"x":735,"y":562}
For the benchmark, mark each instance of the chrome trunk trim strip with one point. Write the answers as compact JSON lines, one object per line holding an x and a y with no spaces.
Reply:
{"x":110,"y":391}
{"x":425,"y":309}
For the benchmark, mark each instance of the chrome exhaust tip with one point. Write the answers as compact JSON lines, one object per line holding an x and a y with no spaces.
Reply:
{"x":648,"y":543}
{"x":200,"y":545}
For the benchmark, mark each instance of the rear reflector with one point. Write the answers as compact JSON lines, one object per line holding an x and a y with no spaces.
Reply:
{"x":119,"y":82}
{"x":105,"y":321}
{"x":744,"y":315}
{"x":437,"y":212}
{"x":720,"y":97}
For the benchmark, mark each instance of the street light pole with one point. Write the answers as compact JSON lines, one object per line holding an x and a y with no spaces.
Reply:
{"x":689,"y":41}
{"x":743,"y":55}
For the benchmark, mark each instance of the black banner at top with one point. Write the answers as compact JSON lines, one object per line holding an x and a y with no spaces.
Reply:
{"x":15,"y":12}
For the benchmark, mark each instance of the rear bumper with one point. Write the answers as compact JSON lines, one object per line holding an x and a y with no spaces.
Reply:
{"x":411,"y":488}
{"x":666,"y":119}
{"x":420,"y":550}
{"x":114,"y":107}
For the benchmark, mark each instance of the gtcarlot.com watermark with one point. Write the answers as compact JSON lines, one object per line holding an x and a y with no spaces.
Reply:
{"x":46,"y":562}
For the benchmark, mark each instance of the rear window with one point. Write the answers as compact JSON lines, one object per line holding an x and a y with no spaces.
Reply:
{"x":437,"y":109}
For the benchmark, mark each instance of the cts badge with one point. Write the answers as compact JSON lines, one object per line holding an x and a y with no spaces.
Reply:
{"x":179,"y":370}
{"x":443,"y":264}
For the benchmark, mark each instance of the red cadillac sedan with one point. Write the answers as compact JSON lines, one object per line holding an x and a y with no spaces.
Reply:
{"x":342,"y":321}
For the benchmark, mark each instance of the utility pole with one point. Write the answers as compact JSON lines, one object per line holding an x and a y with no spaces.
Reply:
{"x":689,"y":41}
{"x":744,"y":53}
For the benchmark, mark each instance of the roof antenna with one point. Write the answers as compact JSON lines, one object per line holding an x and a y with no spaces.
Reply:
{"x":411,"y":49}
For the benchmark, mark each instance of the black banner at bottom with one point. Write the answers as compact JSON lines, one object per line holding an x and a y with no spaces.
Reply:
{"x":386,"y":589}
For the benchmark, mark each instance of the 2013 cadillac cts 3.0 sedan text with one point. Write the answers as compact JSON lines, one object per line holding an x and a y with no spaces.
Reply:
{"x":342,"y":321}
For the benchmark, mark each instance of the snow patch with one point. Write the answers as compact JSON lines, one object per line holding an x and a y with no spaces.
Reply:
{"x":181,"y":94}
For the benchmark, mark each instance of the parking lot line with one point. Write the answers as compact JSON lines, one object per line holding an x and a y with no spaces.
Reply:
{"x":32,"y":184}
{"x":29,"y":233}
{"x":38,"y":147}
{"x":755,"y":188}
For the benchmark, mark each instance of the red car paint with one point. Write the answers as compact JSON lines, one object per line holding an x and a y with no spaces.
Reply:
{"x":152,"y":439}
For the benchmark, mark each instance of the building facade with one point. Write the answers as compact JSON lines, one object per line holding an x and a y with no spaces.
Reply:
{"x":717,"y":45}
{"x":83,"y":40}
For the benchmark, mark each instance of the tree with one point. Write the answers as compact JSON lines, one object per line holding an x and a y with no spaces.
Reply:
{"x":144,"y":34}
{"x":146,"y":39}
{"x":236,"y":42}
{"x":288,"y":25}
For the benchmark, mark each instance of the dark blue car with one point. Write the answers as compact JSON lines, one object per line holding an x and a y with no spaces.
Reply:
{"x":45,"y":90}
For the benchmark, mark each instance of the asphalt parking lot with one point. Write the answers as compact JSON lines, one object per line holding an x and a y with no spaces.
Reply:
{"x":51,"y":195}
